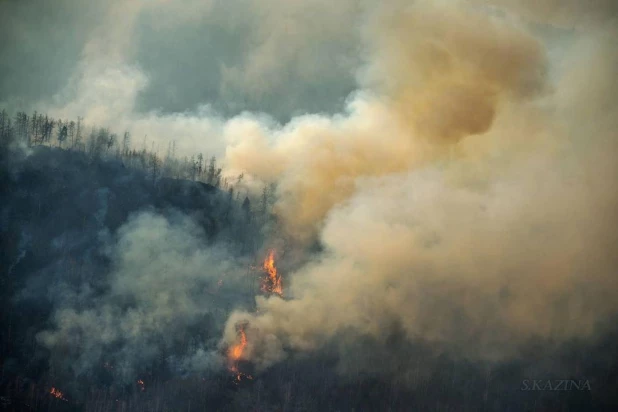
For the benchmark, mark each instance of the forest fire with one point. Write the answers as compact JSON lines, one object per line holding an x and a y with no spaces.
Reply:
{"x":57,"y":394}
{"x":235,"y":354}
{"x":141,"y":385}
{"x":237,"y":350}
{"x":272,"y":282}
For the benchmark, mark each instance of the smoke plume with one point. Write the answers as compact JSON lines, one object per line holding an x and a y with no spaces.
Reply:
{"x":467,"y":195}
{"x":166,"y":285}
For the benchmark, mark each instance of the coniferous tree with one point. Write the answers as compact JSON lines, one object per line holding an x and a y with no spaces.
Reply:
{"x":200,"y":165}
{"x":111,"y":141}
{"x":63,"y":132}
{"x":246,"y":207}
{"x":193,"y":167}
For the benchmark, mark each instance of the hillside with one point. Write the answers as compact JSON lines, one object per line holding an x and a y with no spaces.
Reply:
{"x":60,"y":215}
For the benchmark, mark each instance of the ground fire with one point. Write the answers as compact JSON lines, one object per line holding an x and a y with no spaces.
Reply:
{"x":57,"y":394}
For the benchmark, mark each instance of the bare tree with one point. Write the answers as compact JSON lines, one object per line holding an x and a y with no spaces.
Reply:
{"x":213,"y":175}
{"x":34,"y":128}
{"x":71,"y":132}
{"x":155,"y":166}
{"x":21,"y":127}
{"x":78,"y":134}
{"x":200,"y":165}
{"x":48,"y":125}
{"x":6,"y":131}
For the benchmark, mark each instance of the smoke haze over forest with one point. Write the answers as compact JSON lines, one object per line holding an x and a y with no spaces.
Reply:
{"x":434,"y":183}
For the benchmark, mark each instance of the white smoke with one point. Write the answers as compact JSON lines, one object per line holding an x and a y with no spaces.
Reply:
{"x":166,"y":281}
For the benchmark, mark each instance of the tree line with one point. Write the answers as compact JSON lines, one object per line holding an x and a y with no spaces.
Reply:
{"x":38,"y":129}
{"x":100,"y":143}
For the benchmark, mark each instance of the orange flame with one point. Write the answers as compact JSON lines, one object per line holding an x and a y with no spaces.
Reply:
{"x":141,"y":385}
{"x":57,"y":394}
{"x":272,"y":282}
{"x":237,"y":350}
{"x":235,"y":354}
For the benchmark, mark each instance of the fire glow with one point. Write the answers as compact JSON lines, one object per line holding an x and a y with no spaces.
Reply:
{"x":57,"y":394}
{"x":235,"y":354}
{"x":271,"y":284}
{"x":272,"y":281}
{"x":237,"y":350}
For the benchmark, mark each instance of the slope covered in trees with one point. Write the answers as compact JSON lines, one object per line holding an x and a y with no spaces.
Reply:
{"x":64,"y":206}
{"x":98,"y":238}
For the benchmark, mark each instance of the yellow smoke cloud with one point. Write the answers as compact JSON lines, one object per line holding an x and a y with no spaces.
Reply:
{"x":436,"y":76}
{"x":465,"y":195}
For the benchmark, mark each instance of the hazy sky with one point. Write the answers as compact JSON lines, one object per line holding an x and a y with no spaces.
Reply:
{"x":283,"y":58}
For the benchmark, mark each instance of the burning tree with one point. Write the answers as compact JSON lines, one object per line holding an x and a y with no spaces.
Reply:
{"x":271,"y":283}
{"x":236,"y":352}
